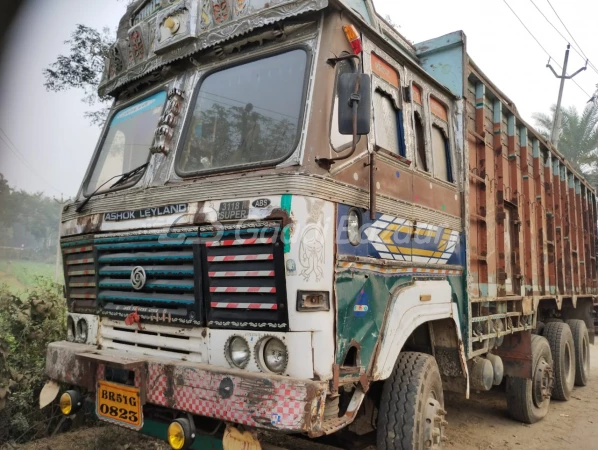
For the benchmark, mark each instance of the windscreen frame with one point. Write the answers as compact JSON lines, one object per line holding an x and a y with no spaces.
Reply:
{"x":193,"y":103}
{"x":104,"y":135}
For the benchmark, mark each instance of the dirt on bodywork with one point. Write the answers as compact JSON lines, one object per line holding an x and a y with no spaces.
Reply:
{"x":481,"y":423}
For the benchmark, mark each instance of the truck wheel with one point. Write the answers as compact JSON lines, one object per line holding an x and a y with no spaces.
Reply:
{"x":411,"y":414}
{"x":581,"y":341}
{"x":528,"y":400}
{"x":563,"y":353}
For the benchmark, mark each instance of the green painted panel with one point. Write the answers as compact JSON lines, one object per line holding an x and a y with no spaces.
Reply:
{"x":159,"y":430}
{"x":285,"y":205}
{"x":362,"y":299}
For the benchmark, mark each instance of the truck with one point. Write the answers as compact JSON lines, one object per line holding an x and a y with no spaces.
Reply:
{"x":296,"y":221}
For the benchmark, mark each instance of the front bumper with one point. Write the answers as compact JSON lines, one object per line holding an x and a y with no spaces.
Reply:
{"x":253,"y":399}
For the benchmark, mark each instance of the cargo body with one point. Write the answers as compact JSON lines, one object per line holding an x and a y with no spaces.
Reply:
{"x":257,"y":268}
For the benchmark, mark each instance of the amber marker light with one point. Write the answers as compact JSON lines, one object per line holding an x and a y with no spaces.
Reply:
{"x":353,"y":38}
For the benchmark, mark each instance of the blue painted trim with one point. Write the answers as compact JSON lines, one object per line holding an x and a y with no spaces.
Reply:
{"x":112,"y":258}
{"x":144,"y":299}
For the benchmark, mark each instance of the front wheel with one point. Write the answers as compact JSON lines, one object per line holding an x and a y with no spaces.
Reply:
{"x":528,"y":400}
{"x":411,"y":414}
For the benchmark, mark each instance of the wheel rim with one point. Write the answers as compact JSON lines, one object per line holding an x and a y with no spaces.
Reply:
{"x":434,"y":423}
{"x":542,"y":380}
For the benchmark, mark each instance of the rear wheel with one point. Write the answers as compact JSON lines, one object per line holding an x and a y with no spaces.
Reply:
{"x":563,"y":353}
{"x":411,"y":414}
{"x":528,"y":400}
{"x":581,"y":341}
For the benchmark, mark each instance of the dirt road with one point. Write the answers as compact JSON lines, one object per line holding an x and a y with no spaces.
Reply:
{"x":480,"y":423}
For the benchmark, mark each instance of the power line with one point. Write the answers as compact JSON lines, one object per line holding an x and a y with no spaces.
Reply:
{"x":575,"y":41}
{"x":13,"y":148}
{"x":579,"y":52}
{"x":540,"y":44}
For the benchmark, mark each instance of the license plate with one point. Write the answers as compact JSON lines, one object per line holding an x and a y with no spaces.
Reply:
{"x":234,"y":210}
{"x":120,"y":404}
{"x":233,"y":439}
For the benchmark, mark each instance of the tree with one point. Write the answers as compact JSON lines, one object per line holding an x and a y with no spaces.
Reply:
{"x":579,"y":137}
{"x":82,"y":68}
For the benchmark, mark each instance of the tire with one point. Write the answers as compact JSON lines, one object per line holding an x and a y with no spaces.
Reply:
{"x":411,"y":413}
{"x":581,"y":340}
{"x":562,"y":347}
{"x":528,"y":400}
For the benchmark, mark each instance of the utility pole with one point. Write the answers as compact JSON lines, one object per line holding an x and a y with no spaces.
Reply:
{"x":62,"y":202}
{"x":556,"y":123}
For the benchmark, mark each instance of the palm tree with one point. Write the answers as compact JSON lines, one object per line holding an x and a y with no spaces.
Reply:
{"x":579,"y":137}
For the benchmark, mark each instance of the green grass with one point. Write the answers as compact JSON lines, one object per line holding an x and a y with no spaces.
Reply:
{"x":21,"y":275}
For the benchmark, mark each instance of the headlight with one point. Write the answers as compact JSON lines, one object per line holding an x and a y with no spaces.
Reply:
{"x":237,"y":352}
{"x":71,"y":332}
{"x":82,"y":330}
{"x":354,"y":226}
{"x":273,"y":355}
{"x":70,"y":402}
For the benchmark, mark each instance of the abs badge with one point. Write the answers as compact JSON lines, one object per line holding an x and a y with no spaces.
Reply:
{"x":361,"y":307}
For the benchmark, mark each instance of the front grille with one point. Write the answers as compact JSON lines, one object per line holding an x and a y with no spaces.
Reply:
{"x":176,"y":343}
{"x":232,"y":278}
{"x":170,"y":290}
{"x":243,"y":289}
{"x":79,"y":274}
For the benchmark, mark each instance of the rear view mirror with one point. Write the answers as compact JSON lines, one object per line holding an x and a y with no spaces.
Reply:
{"x":346,"y":97}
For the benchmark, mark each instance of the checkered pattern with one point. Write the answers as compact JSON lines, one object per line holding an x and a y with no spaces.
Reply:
{"x":255,"y":403}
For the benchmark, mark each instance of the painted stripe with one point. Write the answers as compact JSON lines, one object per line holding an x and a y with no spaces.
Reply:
{"x":86,"y":248}
{"x":76,"y":285}
{"x":243,"y":273}
{"x":229,"y":258}
{"x":229,"y":305}
{"x":79,"y":261}
{"x":231,"y":242}
{"x":244,"y":290}
{"x":86,"y":296}
{"x":81,"y":272}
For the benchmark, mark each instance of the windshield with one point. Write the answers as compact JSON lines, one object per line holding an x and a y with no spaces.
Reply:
{"x":127,"y":141}
{"x":246,"y":115}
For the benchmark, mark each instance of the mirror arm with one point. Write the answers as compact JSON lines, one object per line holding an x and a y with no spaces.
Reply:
{"x":326,"y":163}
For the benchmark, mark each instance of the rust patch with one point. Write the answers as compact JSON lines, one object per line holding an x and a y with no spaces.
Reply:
{"x":257,"y":390}
{"x":280,"y":214}
{"x":169,"y":389}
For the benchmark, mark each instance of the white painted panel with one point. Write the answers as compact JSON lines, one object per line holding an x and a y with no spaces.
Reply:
{"x":298,"y":345}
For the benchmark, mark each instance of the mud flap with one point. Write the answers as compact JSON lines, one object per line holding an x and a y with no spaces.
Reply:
{"x":234,"y":439}
{"x":48,"y":393}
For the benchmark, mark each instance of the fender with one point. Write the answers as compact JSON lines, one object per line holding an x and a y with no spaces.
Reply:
{"x":410,"y":307}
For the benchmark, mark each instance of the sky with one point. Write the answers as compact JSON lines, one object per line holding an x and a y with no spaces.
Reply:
{"x":46,"y":143}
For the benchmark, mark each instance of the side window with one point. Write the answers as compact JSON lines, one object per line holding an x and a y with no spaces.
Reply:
{"x":339,"y":141}
{"x":421,"y":161}
{"x":388,"y":116}
{"x":420,"y":143}
{"x":389,"y":124}
{"x":441,"y":147}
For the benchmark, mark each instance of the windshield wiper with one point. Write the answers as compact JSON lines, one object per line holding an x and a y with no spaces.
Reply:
{"x":123,"y":177}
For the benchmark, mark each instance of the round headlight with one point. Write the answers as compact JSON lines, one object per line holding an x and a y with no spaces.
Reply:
{"x":82,"y":330}
{"x":237,"y":352}
{"x":353,"y":227}
{"x":275,"y":355}
{"x":71,"y":332}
